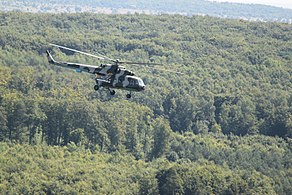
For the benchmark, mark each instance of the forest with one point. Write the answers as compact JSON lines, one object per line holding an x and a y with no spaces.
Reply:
{"x":222,"y":127}
{"x":185,"y":7}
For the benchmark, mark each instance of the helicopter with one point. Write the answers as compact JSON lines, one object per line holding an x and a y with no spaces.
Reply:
{"x":109,"y":76}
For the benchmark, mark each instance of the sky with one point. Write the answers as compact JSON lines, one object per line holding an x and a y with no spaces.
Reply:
{"x":278,"y":3}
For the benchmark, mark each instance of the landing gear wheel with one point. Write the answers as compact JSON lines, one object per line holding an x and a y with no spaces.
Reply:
{"x":128,"y":96}
{"x":113,"y":92}
{"x":96,"y":87}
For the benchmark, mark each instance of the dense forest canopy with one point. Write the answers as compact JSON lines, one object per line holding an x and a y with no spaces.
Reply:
{"x":223,"y":127}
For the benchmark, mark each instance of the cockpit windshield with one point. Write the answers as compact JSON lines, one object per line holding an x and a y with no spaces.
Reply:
{"x":135,"y":81}
{"x":141,"y":83}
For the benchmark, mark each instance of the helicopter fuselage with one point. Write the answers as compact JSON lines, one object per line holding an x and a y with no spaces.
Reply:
{"x":108,"y":75}
{"x":130,"y":83}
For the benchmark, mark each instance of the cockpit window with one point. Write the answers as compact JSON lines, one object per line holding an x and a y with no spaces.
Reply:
{"x":136,"y":81}
{"x":133,"y":81}
{"x":140,"y":82}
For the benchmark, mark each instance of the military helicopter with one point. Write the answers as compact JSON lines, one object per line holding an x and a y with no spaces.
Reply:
{"x":109,"y":76}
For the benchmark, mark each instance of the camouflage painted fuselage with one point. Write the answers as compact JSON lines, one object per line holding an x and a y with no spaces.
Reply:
{"x":113,"y":76}
{"x":130,"y":83}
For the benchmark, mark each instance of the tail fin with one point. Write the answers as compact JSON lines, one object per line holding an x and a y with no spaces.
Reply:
{"x":50,"y":58}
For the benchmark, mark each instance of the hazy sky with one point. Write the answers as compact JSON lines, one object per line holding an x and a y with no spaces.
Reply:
{"x":278,"y":3}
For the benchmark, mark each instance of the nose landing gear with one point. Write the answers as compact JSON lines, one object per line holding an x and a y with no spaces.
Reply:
{"x":96,"y":87}
{"x":112,"y":92}
{"x":129,"y":95}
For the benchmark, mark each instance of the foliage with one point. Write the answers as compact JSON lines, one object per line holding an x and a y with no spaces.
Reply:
{"x":71,"y":169}
{"x":226,"y":120}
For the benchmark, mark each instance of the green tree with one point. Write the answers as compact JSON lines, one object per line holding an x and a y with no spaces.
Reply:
{"x":162,"y":135}
{"x":16,"y":117}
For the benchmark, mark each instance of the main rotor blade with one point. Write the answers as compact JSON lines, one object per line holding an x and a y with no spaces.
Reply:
{"x":81,"y":52}
{"x":161,"y":69}
{"x":138,"y":63}
{"x":103,"y":57}
{"x":107,"y":58}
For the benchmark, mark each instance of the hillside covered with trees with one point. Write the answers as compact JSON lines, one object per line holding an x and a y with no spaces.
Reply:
{"x":223,"y":127}
{"x":254,"y":12}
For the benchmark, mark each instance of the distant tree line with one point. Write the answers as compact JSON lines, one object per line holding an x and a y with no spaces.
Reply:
{"x":253,"y":12}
